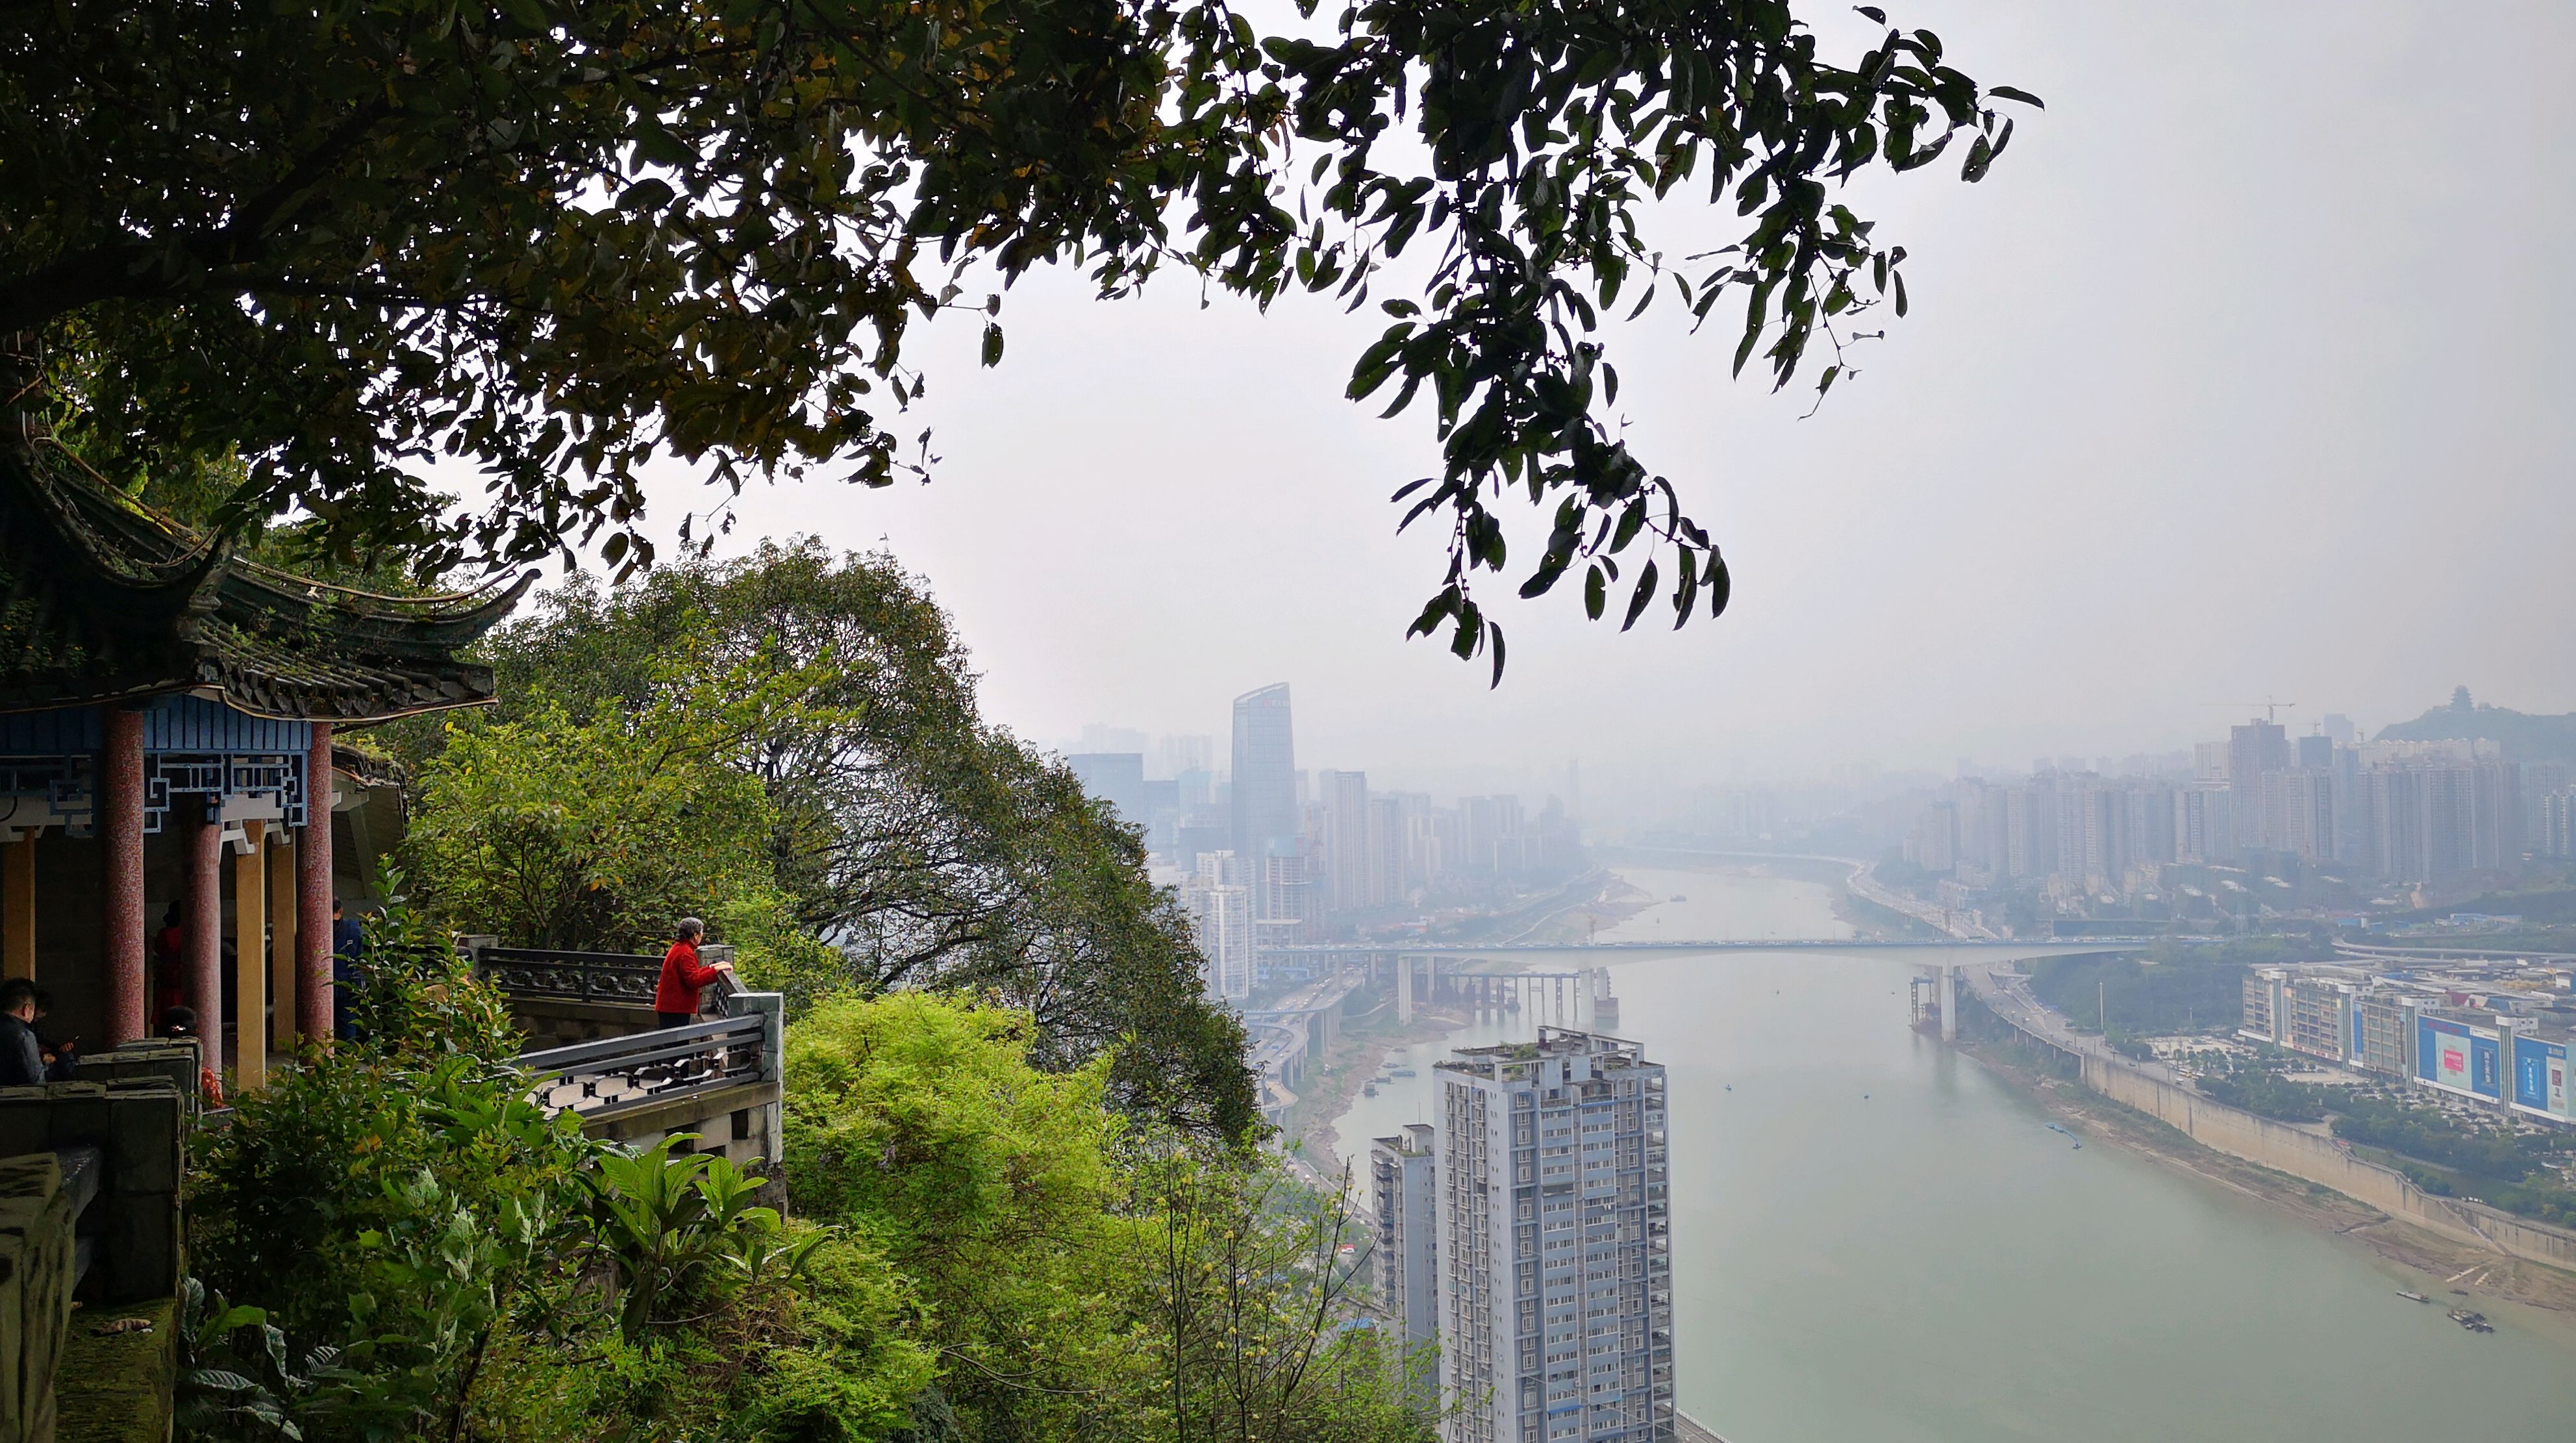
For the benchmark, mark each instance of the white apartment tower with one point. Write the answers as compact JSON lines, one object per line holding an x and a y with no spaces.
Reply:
{"x":1220,"y":912}
{"x":1405,"y":1173}
{"x":1556,"y":1294}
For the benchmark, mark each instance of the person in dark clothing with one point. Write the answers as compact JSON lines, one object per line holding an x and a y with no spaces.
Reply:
{"x":169,"y":960}
{"x":675,"y":997}
{"x":62,"y":1059}
{"x":348,"y":946}
{"x":22,"y":1057}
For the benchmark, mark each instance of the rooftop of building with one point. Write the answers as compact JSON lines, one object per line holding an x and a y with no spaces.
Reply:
{"x":104,"y":599}
{"x":1608,"y":1053}
{"x":1415,"y":1140}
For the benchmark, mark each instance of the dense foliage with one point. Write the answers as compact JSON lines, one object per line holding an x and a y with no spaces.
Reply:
{"x":2172,"y":988}
{"x":559,"y":239}
{"x":400,"y":1246}
{"x":1080,"y":1275}
{"x":788,"y":745}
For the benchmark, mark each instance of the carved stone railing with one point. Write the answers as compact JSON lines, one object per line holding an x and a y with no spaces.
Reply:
{"x":589,"y":1078}
{"x":615,"y":978}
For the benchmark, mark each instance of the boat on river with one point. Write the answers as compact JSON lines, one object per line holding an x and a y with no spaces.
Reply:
{"x":1402,"y":1072}
{"x":2413,"y":1297}
{"x":1369,"y":1091}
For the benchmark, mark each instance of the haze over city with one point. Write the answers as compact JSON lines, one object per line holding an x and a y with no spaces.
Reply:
{"x":2084,"y":948}
{"x":2240,"y":378}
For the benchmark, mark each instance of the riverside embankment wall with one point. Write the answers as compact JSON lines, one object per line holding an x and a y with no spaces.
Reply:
{"x":2284,"y":1148}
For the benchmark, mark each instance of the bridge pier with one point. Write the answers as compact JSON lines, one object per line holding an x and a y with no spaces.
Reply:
{"x":1949,"y":1003}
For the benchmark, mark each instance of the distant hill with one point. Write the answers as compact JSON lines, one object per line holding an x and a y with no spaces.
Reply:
{"x":2524,"y":737}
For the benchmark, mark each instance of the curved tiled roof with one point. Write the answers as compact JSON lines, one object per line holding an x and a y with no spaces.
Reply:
{"x":104,"y":599}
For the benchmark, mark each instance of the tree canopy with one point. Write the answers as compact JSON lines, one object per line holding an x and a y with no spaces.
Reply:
{"x":557,"y":239}
{"x":789,"y":745}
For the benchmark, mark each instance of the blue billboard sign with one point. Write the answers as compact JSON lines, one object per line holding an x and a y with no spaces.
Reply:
{"x":2453,"y":1056}
{"x":2540,"y":1076}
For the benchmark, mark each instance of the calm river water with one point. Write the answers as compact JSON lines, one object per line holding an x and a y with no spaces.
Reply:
{"x":1876,"y":1240}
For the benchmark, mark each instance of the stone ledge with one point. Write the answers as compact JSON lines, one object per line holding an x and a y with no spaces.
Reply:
{"x":676,"y":1114}
{"x":119,"y":1388}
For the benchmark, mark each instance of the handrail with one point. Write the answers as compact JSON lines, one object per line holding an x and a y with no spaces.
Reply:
{"x":690,"y":1038}
{"x":586,"y":1078}
{"x":624,"y":979}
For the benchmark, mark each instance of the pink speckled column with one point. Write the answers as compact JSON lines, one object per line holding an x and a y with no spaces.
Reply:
{"x":313,"y":1012}
{"x":120,"y":844}
{"x":205,"y":958}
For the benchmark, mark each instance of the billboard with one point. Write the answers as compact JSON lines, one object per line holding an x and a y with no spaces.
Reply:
{"x":2441,"y":1051}
{"x":2540,"y":1077}
{"x":2450,"y":1055}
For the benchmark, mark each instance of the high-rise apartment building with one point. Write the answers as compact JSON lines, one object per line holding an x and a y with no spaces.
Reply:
{"x":2204,"y":826}
{"x":2031,"y":829}
{"x":1405,"y":1172}
{"x":2253,"y":749}
{"x":1556,"y":1296}
{"x":2316,"y":752}
{"x":2298,"y":810}
{"x":1265,"y":774}
{"x":1117,"y":778}
{"x":2424,"y":821}
{"x":1218,"y":899}
{"x":1386,"y":851}
{"x":1934,"y":845}
{"x":2558,"y":824}
{"x":1346,"y":837}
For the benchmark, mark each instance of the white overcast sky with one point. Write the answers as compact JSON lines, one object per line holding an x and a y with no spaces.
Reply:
{"x":2245,"y":374}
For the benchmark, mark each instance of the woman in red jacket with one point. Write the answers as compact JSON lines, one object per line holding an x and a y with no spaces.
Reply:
{"x":675,"y":998}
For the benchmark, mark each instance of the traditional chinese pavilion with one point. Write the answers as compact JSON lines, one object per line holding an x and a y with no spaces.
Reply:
{"x":166,"y":713}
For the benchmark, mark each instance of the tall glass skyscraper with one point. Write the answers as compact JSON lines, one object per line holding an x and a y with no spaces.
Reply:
{"x":1265,"y":776}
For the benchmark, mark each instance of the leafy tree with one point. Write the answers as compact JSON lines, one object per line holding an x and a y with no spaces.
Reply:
{"x":924,"y":846}
{"x":2187,"y":988}
{"x":918,"y":1123}
{"x":595,"y":835}
{"x":1079,"y":1274}
{"x":559,"y":238}
{"x":1245,"y":1301}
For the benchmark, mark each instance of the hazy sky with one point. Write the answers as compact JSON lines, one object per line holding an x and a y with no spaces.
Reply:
{"x":2245,"y":373}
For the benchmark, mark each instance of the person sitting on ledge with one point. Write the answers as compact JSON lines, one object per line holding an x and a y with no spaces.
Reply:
{"x":62,"y":1059}
{"x":22,"y":1057}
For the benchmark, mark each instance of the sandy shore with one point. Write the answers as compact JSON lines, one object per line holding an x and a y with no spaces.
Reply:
{"x":1354,"y":1058}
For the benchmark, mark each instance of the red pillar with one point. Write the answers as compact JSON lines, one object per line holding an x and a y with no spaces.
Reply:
{"x":313,"y":893}
{"x":205,"y":959}
{"x":120,"y":838}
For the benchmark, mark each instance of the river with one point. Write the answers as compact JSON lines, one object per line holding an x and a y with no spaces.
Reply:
{"x":1876,"y":1239}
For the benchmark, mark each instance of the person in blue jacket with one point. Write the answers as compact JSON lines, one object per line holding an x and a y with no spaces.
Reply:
{"x":348,"y":947}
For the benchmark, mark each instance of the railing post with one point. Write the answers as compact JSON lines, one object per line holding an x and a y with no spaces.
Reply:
{"x":771,"y":1009}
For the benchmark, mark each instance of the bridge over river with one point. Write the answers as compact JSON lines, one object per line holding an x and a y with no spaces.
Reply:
{"x":1978,"y":946}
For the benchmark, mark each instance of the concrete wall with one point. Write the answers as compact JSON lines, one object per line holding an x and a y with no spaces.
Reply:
{"x":36,"y":1253}
{"x":2321,"y":1160}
